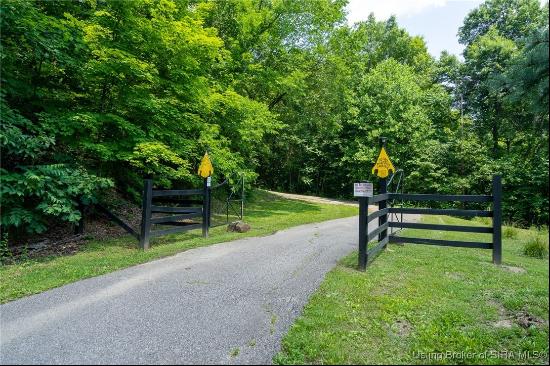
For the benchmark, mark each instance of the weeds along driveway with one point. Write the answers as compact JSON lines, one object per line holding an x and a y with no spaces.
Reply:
{"x":226,"y":303}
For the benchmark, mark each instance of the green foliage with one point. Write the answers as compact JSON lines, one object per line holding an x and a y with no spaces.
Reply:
{"x":5,"y":252}
{"x":282,"y":92}
{"x":31,"y":190}
{"x":29,"y":194}
{"x":392,"y":102}
{"x":455,"y":164}
{"x":525,"y":187}
{"x":504,"y":83}
{"x":512,"y":18}
{"x":156,"y":160}
{"x":536,"y":247}
{"x":509,"y":232}
{"x":527,"y":75}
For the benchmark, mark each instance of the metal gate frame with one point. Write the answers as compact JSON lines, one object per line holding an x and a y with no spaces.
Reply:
{"x":234,"y":203}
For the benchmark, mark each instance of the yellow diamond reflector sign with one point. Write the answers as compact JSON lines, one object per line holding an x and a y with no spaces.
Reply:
{"x":383,"y":165}
{"x":205,"y":168}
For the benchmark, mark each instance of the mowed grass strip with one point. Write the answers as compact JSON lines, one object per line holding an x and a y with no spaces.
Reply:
{"x":418,"y":301}
{"x":265,"y":213}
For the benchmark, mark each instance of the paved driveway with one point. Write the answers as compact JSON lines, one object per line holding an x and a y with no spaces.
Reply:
{"x":226,"y":303}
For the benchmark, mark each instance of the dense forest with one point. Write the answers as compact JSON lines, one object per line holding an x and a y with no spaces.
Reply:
{"x":98,"y":94}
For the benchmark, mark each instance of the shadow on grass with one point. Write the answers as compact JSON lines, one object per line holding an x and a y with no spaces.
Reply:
{"x":349,"y":262}
{"x":260,"y":206}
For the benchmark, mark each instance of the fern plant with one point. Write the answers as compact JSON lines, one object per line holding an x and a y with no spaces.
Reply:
{"x":32,"y":189}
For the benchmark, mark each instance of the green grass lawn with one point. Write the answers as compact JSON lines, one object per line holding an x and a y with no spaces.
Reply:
{"x":265,"y":213}
{"x":419,"y":301}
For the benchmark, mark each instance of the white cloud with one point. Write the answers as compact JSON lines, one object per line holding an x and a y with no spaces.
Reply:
{"x":360,"y":9}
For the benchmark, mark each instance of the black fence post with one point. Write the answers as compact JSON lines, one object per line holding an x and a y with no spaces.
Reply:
{"x":497,"y":219}
{"x":205,"y":208}
{"x":383,"y":189}
{"x":363,"y":212}
{"x":146,"y":214}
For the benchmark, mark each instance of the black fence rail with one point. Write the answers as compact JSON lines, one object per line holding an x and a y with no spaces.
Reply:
{"x":381,"y":232}
{"x":117,"y":220}
{"x":179,"y":209}
{"x":182,"y":217}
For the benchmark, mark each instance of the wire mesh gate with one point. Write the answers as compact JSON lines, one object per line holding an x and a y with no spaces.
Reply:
{"x":227,"y":202}
{"x":381,"y":232}
{"x":396,"y":185}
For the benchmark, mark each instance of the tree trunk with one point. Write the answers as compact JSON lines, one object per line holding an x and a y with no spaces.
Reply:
{"x":495,"y":128}
{"x":495,"y":138}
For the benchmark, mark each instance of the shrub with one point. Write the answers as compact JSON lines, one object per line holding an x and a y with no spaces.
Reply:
{"x":158,"y":160}
{"x":484,"y":220}
{"x":5,"y":252}
{"x":510,"y":232}
{"x":33,"y":186}
{"x":536,"y":247}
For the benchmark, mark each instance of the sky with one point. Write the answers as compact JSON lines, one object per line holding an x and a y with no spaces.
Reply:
{"x":436,"y":20}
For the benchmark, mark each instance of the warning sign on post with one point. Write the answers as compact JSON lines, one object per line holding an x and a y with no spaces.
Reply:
{"x":364,"y":189}
{"x":383,"y":165}
{"x":205,"y":168}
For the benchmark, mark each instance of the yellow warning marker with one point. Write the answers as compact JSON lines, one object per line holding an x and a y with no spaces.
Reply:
{"x":205,"y":168}
{"x":383,"y":165}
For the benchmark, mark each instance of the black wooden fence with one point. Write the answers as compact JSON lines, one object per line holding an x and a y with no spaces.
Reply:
{"x":179,"y":209}
{"x":190,"y":204}
{"x":183,"y":209}
{"x":381,"y":232}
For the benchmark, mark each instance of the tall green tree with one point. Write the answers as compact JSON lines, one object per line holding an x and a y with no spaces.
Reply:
{"x":505,"y":83}
{"x":485,"y":60}
{"x":513,"y":19}
{"x":283,"y":91}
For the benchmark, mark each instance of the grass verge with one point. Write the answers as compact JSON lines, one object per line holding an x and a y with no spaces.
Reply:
{"x":419,"y":301}
{"x":265,"y":213}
